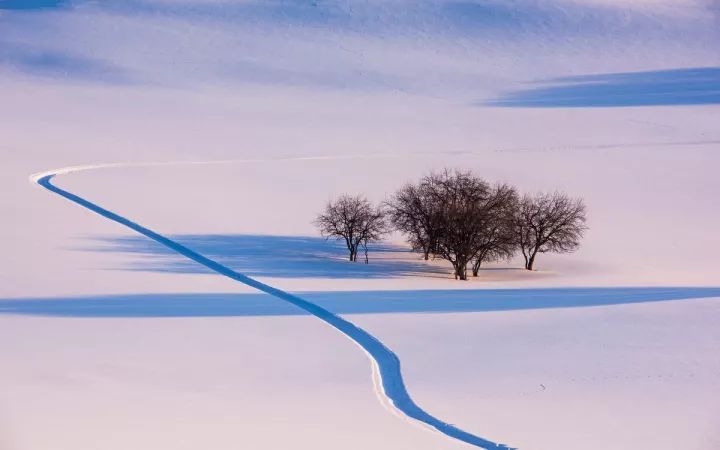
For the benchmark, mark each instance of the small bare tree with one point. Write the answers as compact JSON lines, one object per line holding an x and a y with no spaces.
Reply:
{"x":413,"y":211}
{"x":548,"y":223}
{"x":354,"y":220}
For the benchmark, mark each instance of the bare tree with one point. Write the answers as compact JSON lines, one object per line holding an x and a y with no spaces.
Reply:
{"x":459,"y":198}
{"x":548,"y":223}
{"x":496,"y":238}
{"x":458,"y":217}
{"x":354,"y":220}
{"x":412,"y":211}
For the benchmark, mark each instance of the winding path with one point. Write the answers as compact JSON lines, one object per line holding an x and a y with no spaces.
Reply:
{"x":386,"y":364}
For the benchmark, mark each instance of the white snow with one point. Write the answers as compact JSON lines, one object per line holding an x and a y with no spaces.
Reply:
{"x":249,"y":120}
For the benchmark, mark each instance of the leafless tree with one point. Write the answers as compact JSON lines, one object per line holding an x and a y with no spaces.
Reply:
{"x":548,"y":223}
{"x":354,"y":220}
{"x":412,"y":211}
{"x":456,"y":216}
{"x":459,"y":198}
{"x":496,"y":238}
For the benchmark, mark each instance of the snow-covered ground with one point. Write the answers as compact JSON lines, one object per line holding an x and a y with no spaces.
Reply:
{"x":112,"y":342}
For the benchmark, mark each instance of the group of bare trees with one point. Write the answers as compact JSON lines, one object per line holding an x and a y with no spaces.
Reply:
{"x":460,"y":217}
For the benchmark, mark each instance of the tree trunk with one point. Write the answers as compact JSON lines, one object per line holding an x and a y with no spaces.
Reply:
{"x":530,"y":262}
{"x":426,"y":255}
{"x":461,"y":271}
{"x":463,"y":274}
{"x":476,"y":266}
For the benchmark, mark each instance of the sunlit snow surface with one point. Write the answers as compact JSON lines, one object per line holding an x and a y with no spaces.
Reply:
{"x":113,"y":343}
{"x":385,"y":364}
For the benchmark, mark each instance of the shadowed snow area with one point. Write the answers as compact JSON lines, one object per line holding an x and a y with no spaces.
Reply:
{"x":447,"y":48}
{"x":367,"y":302}
{"x":30,"y":4}
{"x":269,"y":256}
{"x":36,"y":61}
{"x":698,"y":86}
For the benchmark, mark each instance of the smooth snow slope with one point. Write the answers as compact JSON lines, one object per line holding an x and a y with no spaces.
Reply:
{"x":385,"y":363}
{"x":612,"y":100}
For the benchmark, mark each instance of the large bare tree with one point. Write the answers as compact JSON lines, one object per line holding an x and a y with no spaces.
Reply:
{"x":458,"y":217}
{"x":459,"y":197}
{"x":352,"y":219}
{"x":496,"y":238}
{"x":548,"y":223}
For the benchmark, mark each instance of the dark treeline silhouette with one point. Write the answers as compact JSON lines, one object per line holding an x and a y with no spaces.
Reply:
{"x":460,"y":217}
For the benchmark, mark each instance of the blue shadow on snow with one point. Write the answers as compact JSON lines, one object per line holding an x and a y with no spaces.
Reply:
{"x":364,"y":302}
{"x":54,"y":64}
{"x":267,"y":256}
{"x":30,"y":4}
{"x":692,"y":86}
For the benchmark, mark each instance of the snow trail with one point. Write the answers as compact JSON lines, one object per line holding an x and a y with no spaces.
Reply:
{"x":387,"y":376}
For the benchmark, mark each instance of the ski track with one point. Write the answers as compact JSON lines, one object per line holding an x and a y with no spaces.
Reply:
{"x":387,"y":376}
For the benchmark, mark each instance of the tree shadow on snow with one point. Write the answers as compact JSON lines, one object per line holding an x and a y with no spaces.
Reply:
{"x":268,"y":256}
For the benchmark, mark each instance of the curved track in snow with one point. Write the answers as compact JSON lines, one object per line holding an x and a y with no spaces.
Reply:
{"x":386,"y":364}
